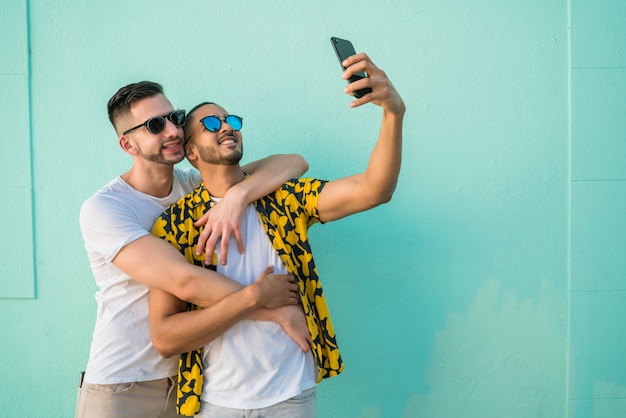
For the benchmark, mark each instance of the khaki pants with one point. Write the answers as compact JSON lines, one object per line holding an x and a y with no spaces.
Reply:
{"x":152,"y":399}
{"x":300,"y":406}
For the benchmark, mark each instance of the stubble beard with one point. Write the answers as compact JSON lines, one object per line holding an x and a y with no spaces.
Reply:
{"x":160,"y":159}
{"x":211,"y":156}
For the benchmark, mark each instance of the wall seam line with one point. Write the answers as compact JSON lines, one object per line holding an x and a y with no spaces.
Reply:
{"x":569,"y":209}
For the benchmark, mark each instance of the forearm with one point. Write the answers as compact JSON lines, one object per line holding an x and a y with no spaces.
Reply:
{"x":383,"y":168}
{"x":179,"y":332}
{"x":161,"y":266}
{"x":268,"y":174}
{"x":375,"y":185}
{"x":264,"y":314}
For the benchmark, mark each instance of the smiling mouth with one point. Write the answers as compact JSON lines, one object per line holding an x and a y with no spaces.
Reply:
{"x":173,"y":144}
{"x":227,"y":140}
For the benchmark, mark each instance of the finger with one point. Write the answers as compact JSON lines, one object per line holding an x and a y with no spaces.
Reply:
{"x":266,"y":271}
{"x":288,"y":278}
{"x":362,"y":56}
{"x":210,"y":249}
{"x":306,"y":344}
{"x":224,"y":248}
{"x":203,"y":220}
{"x":239,"y":239}
{"x":202,"y":239}
{"x":360,"y":66}
{"x":361,"y":101}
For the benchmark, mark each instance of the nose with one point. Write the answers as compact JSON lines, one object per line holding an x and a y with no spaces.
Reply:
{"x":171,"y":129}
{"x":226,"y":126}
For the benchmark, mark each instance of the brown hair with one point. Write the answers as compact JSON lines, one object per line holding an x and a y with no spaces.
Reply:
{"x":128,"y":95}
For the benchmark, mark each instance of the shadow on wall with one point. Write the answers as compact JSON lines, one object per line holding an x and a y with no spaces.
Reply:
{"x":503,"y":358}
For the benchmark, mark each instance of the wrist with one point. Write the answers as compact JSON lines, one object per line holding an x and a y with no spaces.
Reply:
{"x":239,"y":194}
{"x":253,"y":296}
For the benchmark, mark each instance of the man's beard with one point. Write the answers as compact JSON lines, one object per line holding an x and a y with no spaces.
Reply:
{"x":159,"y":158}
{"x":211,"y":156}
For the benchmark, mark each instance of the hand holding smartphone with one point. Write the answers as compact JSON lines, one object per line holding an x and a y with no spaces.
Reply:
{"x":344,"y":49}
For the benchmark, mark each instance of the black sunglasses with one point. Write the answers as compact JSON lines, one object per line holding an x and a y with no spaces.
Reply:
{"x":214,"y":123}
{"x":156,"y":125}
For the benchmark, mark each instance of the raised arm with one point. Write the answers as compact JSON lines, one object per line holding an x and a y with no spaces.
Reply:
{"x":374,"y":186}
{"x":224,"y":220}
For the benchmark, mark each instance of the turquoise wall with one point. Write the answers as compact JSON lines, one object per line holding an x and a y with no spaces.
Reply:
{"x":597,"y":289}
{"x":491,"y":286}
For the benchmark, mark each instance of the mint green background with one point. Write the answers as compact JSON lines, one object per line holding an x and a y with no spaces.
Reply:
{"x":491,"y":286}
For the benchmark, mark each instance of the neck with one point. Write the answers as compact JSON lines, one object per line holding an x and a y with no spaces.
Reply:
{"x":152,"y":179}
{"x":219,"y":178}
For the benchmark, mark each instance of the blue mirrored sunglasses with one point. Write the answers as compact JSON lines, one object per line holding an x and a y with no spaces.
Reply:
{"x":214,"y":123}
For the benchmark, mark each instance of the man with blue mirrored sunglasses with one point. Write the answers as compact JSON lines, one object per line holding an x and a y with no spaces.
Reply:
{"x":252,"y":368}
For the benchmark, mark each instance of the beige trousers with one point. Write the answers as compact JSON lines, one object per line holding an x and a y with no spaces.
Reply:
{"x":152,"y":399}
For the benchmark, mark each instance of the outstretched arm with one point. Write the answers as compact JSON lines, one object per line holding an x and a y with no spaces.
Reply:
{"x":224,"y":220}
{"x":374,"y":186}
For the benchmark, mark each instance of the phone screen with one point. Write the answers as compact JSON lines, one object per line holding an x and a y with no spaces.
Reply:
{"x":344,"y":49}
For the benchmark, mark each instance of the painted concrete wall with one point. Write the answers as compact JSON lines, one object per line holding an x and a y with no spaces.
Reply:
{"x":597,"y":383}
{"x":491,"y":286}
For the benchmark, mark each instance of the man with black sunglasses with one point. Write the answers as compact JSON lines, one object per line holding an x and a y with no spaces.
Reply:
{"x":125,"y":375}
{"x":247,"y":367}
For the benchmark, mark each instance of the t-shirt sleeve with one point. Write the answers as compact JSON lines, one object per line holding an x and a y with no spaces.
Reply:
{"x":304,"y":193}
{"x":188,"y":177}
{"x":107,"y":225}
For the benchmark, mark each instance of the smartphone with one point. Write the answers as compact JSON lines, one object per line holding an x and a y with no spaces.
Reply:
{"x":344,"y":49}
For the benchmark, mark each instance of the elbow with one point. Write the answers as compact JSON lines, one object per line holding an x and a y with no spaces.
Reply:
{"x":305,"y":165}
{"x":381,"y":198}
{"x":385,"y":198}
{"x":185,"y":288}
{"x":299,"y":163}
{"x":165,"y":349}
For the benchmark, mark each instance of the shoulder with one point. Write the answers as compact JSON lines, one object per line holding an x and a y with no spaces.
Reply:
{"x":108,"y":198}
{"x":298,"y":196}
{"x":302,"y":186}
{"x":189,"y":177}
{"x":108,"y":218}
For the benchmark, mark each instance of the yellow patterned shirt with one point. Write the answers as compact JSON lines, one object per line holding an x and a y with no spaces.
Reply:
{"x":286,"y":216}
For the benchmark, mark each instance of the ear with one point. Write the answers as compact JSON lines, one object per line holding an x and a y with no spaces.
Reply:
{"x":190,"y":152}
{"x":126,"y":145}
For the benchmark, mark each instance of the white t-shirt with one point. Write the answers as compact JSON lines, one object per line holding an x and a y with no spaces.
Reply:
{"x":121,"y":348}
{"x":254,"y":364}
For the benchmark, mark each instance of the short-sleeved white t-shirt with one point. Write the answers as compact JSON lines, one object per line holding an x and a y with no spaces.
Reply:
{"x":116,"y":215}
{"x":254,"y":364}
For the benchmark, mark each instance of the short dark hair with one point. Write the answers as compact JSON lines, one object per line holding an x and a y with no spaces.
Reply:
{"x":190,"y":117}
{"x":196,"y":107}
{"x":128,"y":95}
